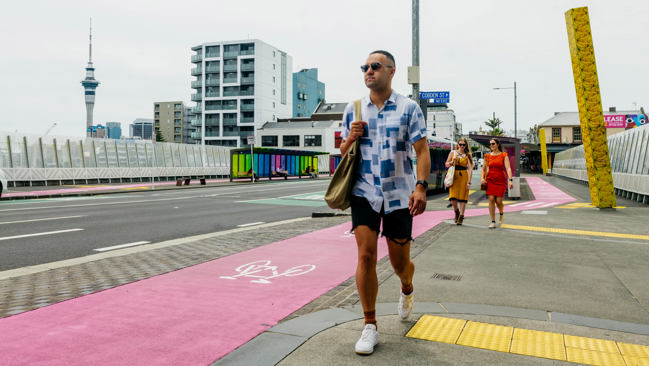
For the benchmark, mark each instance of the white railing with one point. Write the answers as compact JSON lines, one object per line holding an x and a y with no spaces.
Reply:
{"x":629,"y":155}
{"x":26,"y":159}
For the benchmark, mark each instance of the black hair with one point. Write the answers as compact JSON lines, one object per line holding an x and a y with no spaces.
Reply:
{"x":500,"y":148}
{"x":386,"y":54}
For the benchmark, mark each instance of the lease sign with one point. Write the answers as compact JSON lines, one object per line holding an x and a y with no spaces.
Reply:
{"x":615,"y":121}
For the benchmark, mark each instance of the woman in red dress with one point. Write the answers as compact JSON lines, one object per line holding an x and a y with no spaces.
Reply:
{"x":496,"y":172}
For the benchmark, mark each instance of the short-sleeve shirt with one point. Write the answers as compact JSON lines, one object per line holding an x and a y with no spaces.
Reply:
{"x":386,"y":177}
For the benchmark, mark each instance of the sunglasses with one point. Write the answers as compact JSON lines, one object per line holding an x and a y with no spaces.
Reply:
{"x":375,"y":66}
{"x":461,"y":144}
{"x":492,"y":143}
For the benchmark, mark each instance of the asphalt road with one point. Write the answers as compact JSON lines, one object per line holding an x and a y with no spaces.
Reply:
{"x":40,"y":231}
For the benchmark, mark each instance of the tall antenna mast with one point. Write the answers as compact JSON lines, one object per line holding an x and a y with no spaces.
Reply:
{"x":90,"y":43}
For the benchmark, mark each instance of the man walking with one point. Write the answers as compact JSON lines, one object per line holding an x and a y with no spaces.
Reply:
{"x":386,"y":189}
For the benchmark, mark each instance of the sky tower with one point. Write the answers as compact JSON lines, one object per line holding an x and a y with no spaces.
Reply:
{"x":89,"y":84}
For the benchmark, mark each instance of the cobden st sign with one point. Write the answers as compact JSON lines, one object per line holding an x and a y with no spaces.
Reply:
{"x":436,"y":96}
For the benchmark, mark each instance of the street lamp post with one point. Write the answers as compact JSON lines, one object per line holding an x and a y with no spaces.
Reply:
{"x":515,"y":112}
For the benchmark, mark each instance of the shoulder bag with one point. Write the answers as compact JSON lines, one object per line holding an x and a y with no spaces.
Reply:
{"x":344,"y":178}
{"x":483,"y":186}
{"x":450,"y":173}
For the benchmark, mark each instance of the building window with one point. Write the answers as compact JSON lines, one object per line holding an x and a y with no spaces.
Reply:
{"x":269,"y":141}
{"x":556,"y":135}
{"x":292,"y":140}
{"x":313,"y":140}
{"x":576,"y":134}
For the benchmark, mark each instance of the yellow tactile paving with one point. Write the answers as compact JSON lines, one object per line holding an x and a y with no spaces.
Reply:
{"x":590,"y":357}
{"x":487,"y":336}
{"x":636,"y":361}
{"x":438,"y":329}
{"x":633,"y":350}
{"x":592,"y":344}
{"x":555,"y":346}
{"x":538,"y":344}
{"x":575,"y":232}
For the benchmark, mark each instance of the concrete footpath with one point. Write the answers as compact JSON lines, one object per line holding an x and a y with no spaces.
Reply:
{"x":552,"y":285}
{"x":559,"y":281}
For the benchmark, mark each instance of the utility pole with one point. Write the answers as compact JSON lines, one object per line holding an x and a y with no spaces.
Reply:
{"x":413,"y":71}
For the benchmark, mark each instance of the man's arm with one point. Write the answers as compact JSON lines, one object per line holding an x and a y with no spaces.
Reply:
{"x":417,"y":203}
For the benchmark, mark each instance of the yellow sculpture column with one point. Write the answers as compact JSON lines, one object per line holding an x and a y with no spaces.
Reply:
{"x":593,"y":130}
{"x":544,"y":151}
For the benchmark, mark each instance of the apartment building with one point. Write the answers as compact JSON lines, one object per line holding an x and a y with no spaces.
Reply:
{"x":168,"y":120}
{"x":308,"y":92}
{"x":239,"y":85}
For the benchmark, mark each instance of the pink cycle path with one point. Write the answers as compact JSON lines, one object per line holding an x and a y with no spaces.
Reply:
{"x":201,"y":313}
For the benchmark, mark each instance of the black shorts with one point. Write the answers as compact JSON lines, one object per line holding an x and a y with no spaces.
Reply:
{"x":397,"y":225}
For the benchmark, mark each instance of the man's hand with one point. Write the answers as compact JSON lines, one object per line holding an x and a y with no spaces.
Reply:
{"x":417,"y":204}
{"x":356,"y":130}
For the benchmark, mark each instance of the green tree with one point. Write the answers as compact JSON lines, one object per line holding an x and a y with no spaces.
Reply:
{"x":158,"y":136}
{"x":533,"y":134}
{"x":494,"y":125}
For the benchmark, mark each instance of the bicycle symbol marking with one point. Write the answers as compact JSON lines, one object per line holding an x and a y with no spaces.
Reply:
{"x":347,"y":234}
{"x":262,"y":271}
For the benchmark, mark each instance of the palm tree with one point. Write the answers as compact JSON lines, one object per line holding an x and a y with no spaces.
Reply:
{"x":494,"y":125}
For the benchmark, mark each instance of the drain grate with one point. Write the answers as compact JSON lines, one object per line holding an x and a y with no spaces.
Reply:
{"x":448,"y":277}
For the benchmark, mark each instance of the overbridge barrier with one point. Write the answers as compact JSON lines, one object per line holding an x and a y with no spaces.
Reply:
{"x":49,"y":160}
{"x":629,"y":155}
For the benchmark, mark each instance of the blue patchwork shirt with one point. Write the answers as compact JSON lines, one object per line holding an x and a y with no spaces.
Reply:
{"x":386,"y":177}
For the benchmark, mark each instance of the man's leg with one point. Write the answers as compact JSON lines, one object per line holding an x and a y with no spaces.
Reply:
{"x":366,"y":279}
{"x":397,"y":228}
{"x":403,"y":266}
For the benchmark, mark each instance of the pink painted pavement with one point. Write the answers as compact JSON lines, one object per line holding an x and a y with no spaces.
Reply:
{"x":201,"y":313}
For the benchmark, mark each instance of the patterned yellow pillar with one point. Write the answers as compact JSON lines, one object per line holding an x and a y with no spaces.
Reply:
{"x":593,"y":130}
{"x":544,"y":151}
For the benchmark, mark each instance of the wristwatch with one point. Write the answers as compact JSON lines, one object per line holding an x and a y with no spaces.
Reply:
{"x":423,"y":183}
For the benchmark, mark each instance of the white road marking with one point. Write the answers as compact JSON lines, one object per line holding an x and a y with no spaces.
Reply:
{"x":534,"y":212}
{"x":131,"y":202}
{"x":38,"y":234}
{"x":251,"y":224}
{"x":122,"y":246}
{"x":44,"y":219}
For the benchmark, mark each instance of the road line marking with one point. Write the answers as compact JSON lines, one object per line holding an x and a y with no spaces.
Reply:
{"x":39,"y":234}
{"x":45,"y":219}
{"x":251,"y":224}
{"x":122,"y":246}
{"x":576,"y":232}
{"x":534,"y":212}
{"x":11,"y":273}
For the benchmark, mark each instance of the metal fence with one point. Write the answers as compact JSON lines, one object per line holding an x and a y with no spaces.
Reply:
{"x":629,"y":154}
{"x":28,"y":160}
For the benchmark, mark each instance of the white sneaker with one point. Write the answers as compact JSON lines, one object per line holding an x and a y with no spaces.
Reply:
{"x":405,"y":305}
{"x":369,"y":338}
{"x":492,"y":225}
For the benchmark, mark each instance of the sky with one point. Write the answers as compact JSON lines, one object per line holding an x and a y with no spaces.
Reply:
{"x":142,"y":50}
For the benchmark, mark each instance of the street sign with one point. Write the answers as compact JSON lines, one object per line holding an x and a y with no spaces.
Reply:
{"x":251,"y":139}
{"x":436,"y":96}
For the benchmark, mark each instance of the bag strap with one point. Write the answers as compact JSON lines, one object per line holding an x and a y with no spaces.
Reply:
{"x":357,"y":110}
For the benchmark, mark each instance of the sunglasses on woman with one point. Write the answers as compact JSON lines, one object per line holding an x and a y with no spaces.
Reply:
{"x":375,"y":66}
{"x":461,"y":144}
